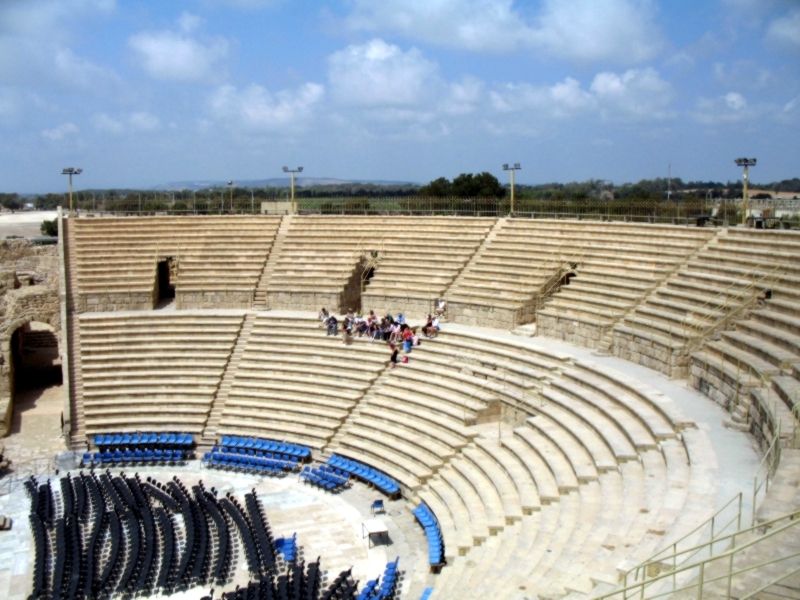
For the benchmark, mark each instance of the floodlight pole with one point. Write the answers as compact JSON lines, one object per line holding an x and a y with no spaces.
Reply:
{"x":746,"y":163}
{"x":71,"y":171}
{"x":230,"y":185}
{"x":516,"y":167}
{"x":293,"y":171}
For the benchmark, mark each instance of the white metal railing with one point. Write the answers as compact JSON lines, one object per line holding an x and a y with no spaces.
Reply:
{"x":694,"y":576}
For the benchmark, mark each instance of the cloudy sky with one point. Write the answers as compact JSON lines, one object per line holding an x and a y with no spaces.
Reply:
{"x":141,"y":92}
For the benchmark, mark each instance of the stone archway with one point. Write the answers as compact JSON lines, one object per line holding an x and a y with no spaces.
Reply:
{"x":22,"y":307}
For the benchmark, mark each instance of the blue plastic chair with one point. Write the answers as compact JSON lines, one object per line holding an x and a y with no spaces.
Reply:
{"x":97,"y":458}
{"x":163,"y":438}
{"x":167,"y":455}
{"x":138,"y":455}
{"x":152,"y":439}
{"x":87,"y":459}
{"x":117,"y":456}
{"x":172,"y":439}
{"x":226,"y":440}
{"x":126,"y":439}
{"x":180,"y":440}
{"x":107,"y":439}
{"x":98,"y":439}
{"x":107,"y":457}
{"x":158,"y":454}
{"x":189,"y":439}
{"x":148,"y":455}
{"x":127,"y":456}
{"x":117,"y":440}
{"x":135,"y":438}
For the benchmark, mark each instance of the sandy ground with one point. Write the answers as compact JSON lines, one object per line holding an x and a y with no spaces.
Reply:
{"x":25,"y":224}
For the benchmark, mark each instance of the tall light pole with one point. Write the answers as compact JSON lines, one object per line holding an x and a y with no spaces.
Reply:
{"x":71,"y":171}
{"x":746,"y":163}
{"x":293,"y":171}
{"x":516,"y":167}
{"x":230,"y":185}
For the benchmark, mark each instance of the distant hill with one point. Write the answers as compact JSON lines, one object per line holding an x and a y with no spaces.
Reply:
{"x":277,"y":182}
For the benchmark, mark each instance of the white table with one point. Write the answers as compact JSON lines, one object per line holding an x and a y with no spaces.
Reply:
{"x":372,"y":527}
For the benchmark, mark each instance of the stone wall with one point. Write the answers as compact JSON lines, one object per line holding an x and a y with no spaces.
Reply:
{"x":214,"y":299}
{"x":712,"y":381}
{"x":663,"y":358}
{"x":311,"y":301}
{"x":414,"y":308}
{"x":116,"y":301}
{"x":569,"y":329}
{"x":28,"y":292}
{"x":480,"y":315}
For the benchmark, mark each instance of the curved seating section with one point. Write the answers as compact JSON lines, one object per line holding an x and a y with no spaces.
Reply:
{"x":591,"y":469}
{"x":320,"y":254}
{"x":365,"y":473}
{"x":262,"y":462}
{"x":432,"y":532}
{"x":281,"y":447}
{"x":329,"y":478}
{"x":153,"y":372}
{"x":411,"y":276}
{"x":294,"y":382}
{"x":704,"y":291}
{"x":115,"y":257}
{"x":618,"y":264}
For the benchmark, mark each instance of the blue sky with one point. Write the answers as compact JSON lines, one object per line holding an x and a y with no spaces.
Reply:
{"x":140,"y":92}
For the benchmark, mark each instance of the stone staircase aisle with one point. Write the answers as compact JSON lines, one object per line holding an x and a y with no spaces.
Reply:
{"x":260,"y":301}
{"x":355,"y":412}
{"x":73,"y":349}
{"x":209,"y":436}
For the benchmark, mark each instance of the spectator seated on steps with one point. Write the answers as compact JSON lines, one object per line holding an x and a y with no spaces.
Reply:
{"x":333,"y":325}
{"x":400,"y":319}
{"x":324,"y":316}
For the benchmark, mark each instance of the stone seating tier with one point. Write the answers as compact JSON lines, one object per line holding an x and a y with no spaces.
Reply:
{"x":140,"y":370}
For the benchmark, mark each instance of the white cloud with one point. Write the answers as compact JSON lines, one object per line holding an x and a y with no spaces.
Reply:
{"x":580,"y":30}
{"x":189,"y":22}
{"x":35,"y":36}
{"x":380,"y":74}
{"x":562,"y":100}
{"x":463,"y":97}
{"x":735,"y":101}
{"x":785,"y":31}
{"x":102,"y":122}
{"x":177,"y":56}
{"x":636,"y":94}
{"x":255,"y":108}
{"x":60,"y":132}
{"x":136,"y":121}
{"x":735,"y":73}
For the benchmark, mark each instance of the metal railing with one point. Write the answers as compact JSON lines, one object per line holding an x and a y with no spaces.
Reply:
{"x":694,"y":576}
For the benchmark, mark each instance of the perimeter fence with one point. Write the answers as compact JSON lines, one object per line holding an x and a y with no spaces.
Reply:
{"x":685,"y":211}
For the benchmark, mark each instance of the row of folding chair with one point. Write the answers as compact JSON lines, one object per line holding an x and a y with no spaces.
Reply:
{"x":181,"y":440}
{"x":326,"y":477}
{"x":277,"y":456}
{"x":249,"y":443}
{"x":378,"y":479}
{"x":254,"y":464}
{"x":146,"y":455}
{"x":287,"y":547}
{"x":381,"y":588}
{"x":428,"y":521}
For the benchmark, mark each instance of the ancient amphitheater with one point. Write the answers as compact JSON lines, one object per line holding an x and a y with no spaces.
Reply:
{"x":608,"y":411}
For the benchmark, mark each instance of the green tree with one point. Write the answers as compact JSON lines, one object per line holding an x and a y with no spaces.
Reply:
{"x":49,"y":228}
{"x":438,"y":188}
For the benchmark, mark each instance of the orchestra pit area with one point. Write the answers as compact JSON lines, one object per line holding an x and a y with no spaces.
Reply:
{"x":600,"y":409}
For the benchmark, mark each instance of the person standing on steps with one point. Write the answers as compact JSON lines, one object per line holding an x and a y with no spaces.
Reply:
{"x":394,"y":355}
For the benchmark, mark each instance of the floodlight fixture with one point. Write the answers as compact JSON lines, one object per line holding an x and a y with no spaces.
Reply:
{"x":516,"y":167}
{"x":71,"y":171}
{"x":746,"y":163}
{"x":293,"y":171}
